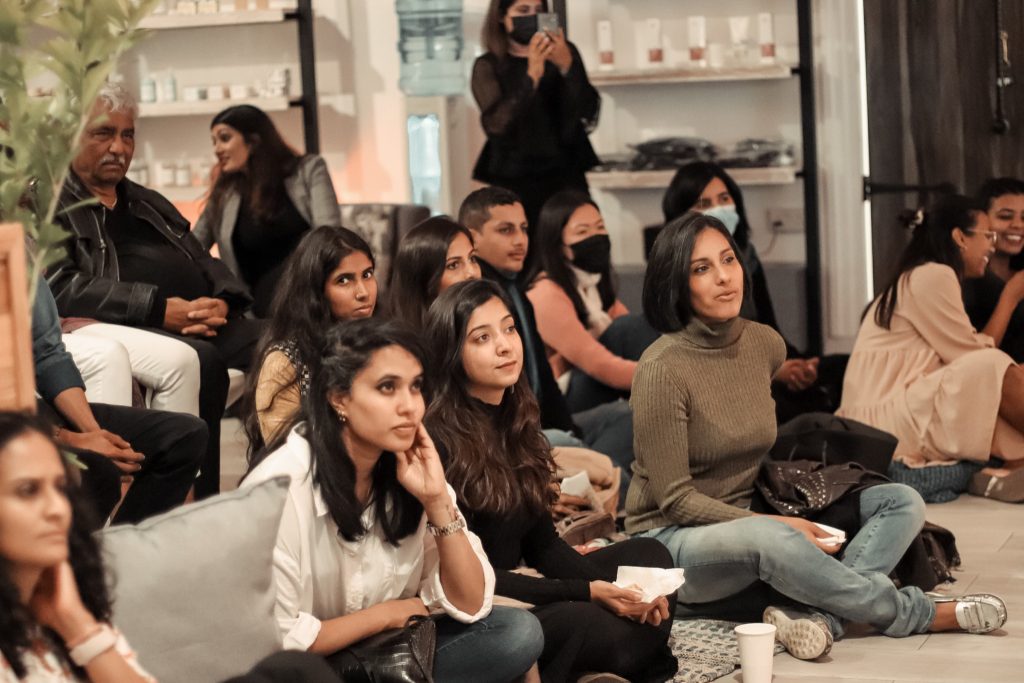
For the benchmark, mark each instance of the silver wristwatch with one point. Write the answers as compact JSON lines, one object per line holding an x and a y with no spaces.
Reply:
{"x":449,"y":529}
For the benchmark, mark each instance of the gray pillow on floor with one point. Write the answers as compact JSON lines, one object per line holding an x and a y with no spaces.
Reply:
{"x":193,"y":588}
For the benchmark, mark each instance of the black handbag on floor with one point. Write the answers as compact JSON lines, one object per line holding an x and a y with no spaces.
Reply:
{"x":833,"y":440}
{"x":400,"y":655}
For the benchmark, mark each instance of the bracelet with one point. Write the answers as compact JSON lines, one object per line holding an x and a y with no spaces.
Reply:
{"x":449,"y":529}
{"x":92,"y":647}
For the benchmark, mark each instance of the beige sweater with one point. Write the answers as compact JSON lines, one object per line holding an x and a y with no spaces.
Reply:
{"x":703,"y":419}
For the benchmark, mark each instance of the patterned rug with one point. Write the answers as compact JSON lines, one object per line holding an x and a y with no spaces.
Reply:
{"x":706,"y":649}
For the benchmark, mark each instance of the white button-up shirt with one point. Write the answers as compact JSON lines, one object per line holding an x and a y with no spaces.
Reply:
{"x":319,"y":575}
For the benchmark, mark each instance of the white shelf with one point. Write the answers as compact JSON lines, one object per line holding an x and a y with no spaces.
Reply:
{"x":645,"y":180}
{"x":209,"y":107}
{"x":162,"y":22}
{"x":669,"y":75}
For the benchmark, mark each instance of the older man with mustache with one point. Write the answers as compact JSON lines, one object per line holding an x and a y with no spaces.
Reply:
{"x":131,"y":260}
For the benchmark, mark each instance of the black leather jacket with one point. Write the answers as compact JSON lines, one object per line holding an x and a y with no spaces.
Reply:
{"x":86,"y":281}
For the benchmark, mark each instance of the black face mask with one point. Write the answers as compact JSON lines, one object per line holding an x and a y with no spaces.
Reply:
{"x":523,"y":29}
{"x":593,"y":254}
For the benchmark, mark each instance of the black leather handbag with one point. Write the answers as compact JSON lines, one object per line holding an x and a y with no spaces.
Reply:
{"x":833,"y":440}
{"x":400,"y":655}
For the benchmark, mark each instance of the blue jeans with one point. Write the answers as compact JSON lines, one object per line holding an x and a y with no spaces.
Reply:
{"x":721,"y":560}
{"x":497,"y":649}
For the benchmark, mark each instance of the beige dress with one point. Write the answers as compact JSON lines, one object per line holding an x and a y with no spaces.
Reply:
{"x":931,"y":380}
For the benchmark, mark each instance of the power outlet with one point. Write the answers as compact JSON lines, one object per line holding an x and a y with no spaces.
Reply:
{"x":785,"y":220}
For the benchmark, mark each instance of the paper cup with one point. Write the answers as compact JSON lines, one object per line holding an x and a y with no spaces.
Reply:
{"x":757,"y":651}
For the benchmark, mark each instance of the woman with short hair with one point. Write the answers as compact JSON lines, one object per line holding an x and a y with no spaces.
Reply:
{"x":703,"y":422}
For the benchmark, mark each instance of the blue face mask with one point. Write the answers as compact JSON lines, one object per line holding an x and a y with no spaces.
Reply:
{"x":727,"y":214}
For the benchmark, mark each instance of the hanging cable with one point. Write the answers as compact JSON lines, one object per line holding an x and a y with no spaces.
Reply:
{"x":1001,"y":124}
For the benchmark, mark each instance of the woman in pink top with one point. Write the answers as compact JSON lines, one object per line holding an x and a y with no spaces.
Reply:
{"x":919,"y":370}
{"x":593,"y":342}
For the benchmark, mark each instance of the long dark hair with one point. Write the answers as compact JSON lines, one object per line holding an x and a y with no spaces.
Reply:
{"x":271,"y":160}
{"x":494,"y":37}
{"x":666,"y":296}
{"x":17,"y":624}
{"x":300,"y":312}
{"x":347,"y":350}
{"x":931,"y":242}
{"x":686,"y":187}
{"x":551,"y":260}
{"x":492,"y":470}
{"x":414,"y":278}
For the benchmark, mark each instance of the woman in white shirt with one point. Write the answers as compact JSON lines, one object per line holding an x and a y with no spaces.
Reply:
{"x":54,"y":604}
{"x":371,"y":534}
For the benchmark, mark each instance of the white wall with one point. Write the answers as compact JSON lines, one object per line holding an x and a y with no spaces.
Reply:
{"x":362,"y":117}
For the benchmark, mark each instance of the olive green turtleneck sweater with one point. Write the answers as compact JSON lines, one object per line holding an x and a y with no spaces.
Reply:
{"x":703,"y":419}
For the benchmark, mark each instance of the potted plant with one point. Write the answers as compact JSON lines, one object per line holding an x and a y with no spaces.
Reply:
{"x":54,"y":57}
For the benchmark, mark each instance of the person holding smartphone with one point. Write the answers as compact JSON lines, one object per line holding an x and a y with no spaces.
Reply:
{"x":536,"y":105}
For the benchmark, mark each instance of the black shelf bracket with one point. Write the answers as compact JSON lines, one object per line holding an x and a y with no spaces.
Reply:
{"x":307,"y":67}
{"x":808,"y":125}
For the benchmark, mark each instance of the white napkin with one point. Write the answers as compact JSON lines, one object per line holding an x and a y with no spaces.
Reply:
{"x":653,"y":582}
{"x":577,"y":485}
{"x":838,"y":536}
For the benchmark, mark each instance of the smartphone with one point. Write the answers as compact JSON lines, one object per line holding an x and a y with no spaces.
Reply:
{"x":547,"y":22}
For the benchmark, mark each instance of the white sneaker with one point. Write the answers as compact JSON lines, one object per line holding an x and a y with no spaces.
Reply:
{"x":805,"y":636}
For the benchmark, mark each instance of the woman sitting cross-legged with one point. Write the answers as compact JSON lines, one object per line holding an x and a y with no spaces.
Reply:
{"x":371,"y":534}
{"x":486,"y":423}
{"x":328,"y":278}
{"x":592,"y":339}
{"x":920,"y":371}
{"x":437,"y":254}
{"x":704,"y":420}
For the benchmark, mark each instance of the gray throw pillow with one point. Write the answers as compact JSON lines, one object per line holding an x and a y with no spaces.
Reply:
{"x":193,"y":588}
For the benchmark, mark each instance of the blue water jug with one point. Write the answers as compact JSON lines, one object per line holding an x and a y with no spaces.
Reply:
{"x":430,"y":44}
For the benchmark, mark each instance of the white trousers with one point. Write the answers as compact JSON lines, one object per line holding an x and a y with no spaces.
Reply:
{"x":109,"y":356}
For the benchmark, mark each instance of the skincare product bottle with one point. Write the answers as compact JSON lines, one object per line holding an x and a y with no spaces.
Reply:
{"x":605,"y":49}
{"x":655,"y":48}
{"x":697,"y":28}
{"x":168,"y":91}
{"x":766,"y":37}
{"x":739,"y":35}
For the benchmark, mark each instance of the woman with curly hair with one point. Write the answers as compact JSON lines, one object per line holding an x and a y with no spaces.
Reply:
{"x":486,"y":425}
{"x":54,"y":604}
{"x":328,"y":278}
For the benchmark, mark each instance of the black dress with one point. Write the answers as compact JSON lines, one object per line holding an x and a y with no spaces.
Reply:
{"x":537,"y":139}
{"x":263,"y":244}
{"x":580,"y":636}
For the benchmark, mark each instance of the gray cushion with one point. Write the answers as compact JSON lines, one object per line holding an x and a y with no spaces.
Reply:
{"x":193,"y":588}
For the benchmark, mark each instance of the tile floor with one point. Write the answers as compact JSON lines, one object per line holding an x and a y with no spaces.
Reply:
{"x":991,"y":540}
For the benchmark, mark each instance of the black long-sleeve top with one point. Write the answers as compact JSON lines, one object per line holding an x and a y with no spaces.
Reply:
{"x":525,"y":536}
{"x":533,"y":131}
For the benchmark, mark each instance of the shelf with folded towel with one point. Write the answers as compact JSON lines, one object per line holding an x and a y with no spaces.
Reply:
{"x":640,"y":180}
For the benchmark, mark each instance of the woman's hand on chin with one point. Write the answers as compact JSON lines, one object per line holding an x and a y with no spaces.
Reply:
{"x":420,"y":471}
{"x":57,"y":604}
